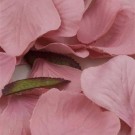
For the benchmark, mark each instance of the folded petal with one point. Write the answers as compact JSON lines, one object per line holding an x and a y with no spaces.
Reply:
{"x":120,"y":38}
{"x":111,"y":86}
{"x":60,"y":113}
{"x":7,"y":67}
{"x":14,"y":120}
{"x":71,"y":12}
{"x":65,"y":45}
{"x":43,"y":68}
{"x":21,"y":22}
{"x":97,"y":19}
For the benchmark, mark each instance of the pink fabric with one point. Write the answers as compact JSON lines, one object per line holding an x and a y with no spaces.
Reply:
{"x":43,"y":68}
{"x":111,"y":86}
{"x":60,"y":113}
{"x":7,"y":67}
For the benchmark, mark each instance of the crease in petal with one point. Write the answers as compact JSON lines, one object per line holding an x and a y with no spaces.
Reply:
{"x":98,"y":19}
{"x":119,"y":39}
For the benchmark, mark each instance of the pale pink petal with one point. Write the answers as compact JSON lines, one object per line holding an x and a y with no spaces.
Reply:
{"x":14,"y":120}
{"x":120,"y":39}
{"x":97,"y":19}
{"x":63,"y":113}
{"x":43,"y":68}
{"x":22,"y":21}
{"x":7,"y":67}
{"x":111,"y":86}
{"x":71,"y":12}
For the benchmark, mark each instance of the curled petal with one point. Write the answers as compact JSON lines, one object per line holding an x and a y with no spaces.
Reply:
{"x":111,"y":86}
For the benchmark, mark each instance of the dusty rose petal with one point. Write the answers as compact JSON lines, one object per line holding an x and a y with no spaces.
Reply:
{"x":14,"y":120}
{"x":70,"y":12}
{"x":111,"y":86}
{"x":7,"y":67}
{"x":120,"y":38}
{"x":60,"y":113}
{"x":24,"y":21}
{"x":3,"y":104}
{"x":125,"y":129}
{"x":65,"y":45}
{"x":65,"y":49}
{"x":87,"y":4}
{"x":97,"y":19}
{"x":43,"y":68}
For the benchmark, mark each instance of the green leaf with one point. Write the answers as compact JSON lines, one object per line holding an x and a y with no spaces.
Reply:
{"x":31,"y":83}
{"x":60,"y":59}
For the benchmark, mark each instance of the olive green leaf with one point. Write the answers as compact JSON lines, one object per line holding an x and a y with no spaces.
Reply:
{"x":31,"y":83}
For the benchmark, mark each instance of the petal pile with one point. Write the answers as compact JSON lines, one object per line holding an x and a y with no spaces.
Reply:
{"x":24,"y":21}
{"x":91,"y":98}
{"x":109,"y":27}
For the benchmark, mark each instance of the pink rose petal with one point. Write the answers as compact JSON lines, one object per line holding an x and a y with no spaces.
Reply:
{"x":14,"y":120}
{"x":111,"y":86}
{"x":71,"y":12}
{"x":87,"y":4}
{"x":65,"y":45}
{"x":65,"y":49}
{"x":120,"y":38}
{"x":63,"y":113}
{"x":97,"y":20}
{"x":43,"y":68}
{"x":21,"y":22}
{"x":125,"y":129}
{"x":7,"y":67}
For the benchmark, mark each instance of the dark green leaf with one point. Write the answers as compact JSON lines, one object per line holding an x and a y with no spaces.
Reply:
{"x":52,"y":57}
